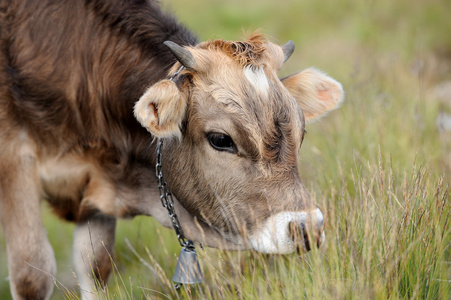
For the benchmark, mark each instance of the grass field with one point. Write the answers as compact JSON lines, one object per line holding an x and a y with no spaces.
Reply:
{"x":379,"y":167}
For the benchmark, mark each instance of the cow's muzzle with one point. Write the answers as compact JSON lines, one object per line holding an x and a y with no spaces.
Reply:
{"x":287,"y":232}
{"x":308,"y":234}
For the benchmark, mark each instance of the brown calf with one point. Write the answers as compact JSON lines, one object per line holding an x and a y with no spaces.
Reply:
{"x":78,"y":82}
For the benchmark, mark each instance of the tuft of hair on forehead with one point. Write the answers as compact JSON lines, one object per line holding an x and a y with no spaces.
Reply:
{"x":246,"y":53}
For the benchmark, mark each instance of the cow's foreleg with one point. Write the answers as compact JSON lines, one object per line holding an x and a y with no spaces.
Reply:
{"x":31,"y":261}
{"x":93,"y":251}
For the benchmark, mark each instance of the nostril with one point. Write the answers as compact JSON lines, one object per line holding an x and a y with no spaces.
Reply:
{"x":299,"y":235}
{"x":306,"y":238}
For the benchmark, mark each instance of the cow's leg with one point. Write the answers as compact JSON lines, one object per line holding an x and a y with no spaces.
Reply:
{"x":93,"y":250}
{"x":31,"y":261}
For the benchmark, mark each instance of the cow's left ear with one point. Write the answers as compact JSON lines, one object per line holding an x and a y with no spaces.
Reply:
{"x":315,"y":92}
{"x":161,"y":109}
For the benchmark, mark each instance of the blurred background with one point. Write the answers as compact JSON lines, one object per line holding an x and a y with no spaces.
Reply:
{"x":394,"y":61}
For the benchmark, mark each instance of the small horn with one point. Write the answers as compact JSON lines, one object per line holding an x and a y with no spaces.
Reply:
{"x":287,"y":49}
{"x":183,"y":56}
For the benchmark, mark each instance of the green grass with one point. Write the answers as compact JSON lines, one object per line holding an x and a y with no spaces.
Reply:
{"x":378,"y":167}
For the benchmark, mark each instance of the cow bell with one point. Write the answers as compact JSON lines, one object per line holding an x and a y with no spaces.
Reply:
{"x":188,"y":269}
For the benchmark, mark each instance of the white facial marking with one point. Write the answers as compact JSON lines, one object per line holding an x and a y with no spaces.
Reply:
{"x":257,"y":77}
{"x":274,"y":236}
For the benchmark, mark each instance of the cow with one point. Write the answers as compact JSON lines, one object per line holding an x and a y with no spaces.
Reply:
{"x":89,"y":88}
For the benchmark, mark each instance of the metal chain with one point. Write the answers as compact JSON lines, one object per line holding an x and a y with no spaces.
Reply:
{"x":176,"y":73}
{"x":168,"y":202}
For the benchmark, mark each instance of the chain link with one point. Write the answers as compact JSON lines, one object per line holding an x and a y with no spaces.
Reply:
{"x":168,"y":202}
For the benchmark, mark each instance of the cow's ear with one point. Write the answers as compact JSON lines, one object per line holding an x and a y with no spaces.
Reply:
{"x":315,"y":92}
{"x":161,"y":109}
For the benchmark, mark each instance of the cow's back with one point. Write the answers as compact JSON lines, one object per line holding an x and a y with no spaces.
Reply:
{"x":72,"y":70}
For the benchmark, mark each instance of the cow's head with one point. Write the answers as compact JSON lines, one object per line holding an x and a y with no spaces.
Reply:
{"x":233,"y":132}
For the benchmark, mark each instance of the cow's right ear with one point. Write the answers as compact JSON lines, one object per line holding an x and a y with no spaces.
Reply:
{"x":161,"y":109}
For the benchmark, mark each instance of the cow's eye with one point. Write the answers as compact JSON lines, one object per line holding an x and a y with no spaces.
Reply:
{"x":221,"y":142}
